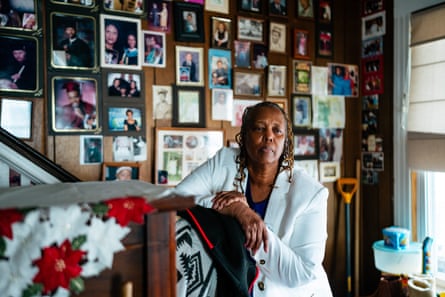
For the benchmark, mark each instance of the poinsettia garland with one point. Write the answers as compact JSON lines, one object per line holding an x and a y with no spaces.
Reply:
{"x":48,"y":251}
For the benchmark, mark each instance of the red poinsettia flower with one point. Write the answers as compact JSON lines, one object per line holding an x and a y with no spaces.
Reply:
{"x":7,"y":218}
{"x":58,"y":266}
{"x":128,"y":209}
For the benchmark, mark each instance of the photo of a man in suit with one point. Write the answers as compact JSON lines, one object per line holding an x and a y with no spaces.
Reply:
{"x":278,"y":7}
{"x":77,"y":51}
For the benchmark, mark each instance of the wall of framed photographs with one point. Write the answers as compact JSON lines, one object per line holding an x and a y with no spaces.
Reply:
{"x":132,"y":67}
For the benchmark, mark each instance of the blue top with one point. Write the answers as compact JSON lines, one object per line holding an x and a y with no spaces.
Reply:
{"x":258,"y":207}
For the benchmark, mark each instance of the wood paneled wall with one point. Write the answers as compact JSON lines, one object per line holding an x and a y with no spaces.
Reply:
{"x":376,"y":201}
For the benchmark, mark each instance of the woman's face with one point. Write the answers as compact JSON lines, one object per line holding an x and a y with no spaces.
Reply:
{"x":266,"y":136}
{"x":131,"y":41}
{"x":111,"y":34}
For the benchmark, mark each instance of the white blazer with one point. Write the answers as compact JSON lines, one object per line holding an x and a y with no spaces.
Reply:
{"x":296,"y":218}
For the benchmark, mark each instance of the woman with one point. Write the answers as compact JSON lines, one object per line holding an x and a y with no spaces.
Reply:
{"x":282,"y":210}
{"x":133,"y":91}
{"x":130,"y":56}
{"x":130,"y":124}
{"x":111,"y":38}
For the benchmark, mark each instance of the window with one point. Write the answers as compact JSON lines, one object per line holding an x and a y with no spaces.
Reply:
{"x":430,"y":209}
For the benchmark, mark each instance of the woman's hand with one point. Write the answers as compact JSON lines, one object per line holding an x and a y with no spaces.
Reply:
{"x":224,"y":199}
{"x":235,"y":204}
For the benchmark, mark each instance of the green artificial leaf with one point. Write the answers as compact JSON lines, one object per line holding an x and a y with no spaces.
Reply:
{"x":77,"y":285}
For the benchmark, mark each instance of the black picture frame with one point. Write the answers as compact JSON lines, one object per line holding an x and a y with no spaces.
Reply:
{"x":20,"y":66}
{"x":88,"y":4}
{"x":79,"y":54}
{"x":21,"y":16}
{"x":277,"y":9}
{"x":63,"y":111}
{"x":325,"y":41}
{"x":188,"y":107}
{"x":324,"y":11}
{"x":115,"y":115}
{"x":252,"y":6}
{"x":127,"y":79}
{"x":306,"y":144}
{"x":189,"y":23}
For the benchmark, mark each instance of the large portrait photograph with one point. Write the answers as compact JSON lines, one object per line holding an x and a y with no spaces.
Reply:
{"x":19,"y":65}
{"x":120,"y":44}
{"x":73,"y":41}
{"x":18,"y":15}
{"x":74,"y":104}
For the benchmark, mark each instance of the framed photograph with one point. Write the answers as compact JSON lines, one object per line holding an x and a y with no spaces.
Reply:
{"x":248,"y":83}
{"x":162,"y":102}
{"x":329,"y":171}
{"x":128,"y":120}
{"x":124,"y":6}
{"x":373,"y":84}
{"x":19,"y":15}
{"x":74,"y":105}
{"x":302,"y":76}
{"x":80,"y":4}
{"x":276,"y":80}
{"x":242,"y":54}
{"x":250,"y":29}
{"x":331,"y":144}
{"x":154,"y":49}
{"x":221,"y":6}
{"x":189,"y":66}
{"x":372,"y":47}
{"x":343,"y":79}
{"x":250,"y":5}
{"x":372,"y":6}
{"x":222,"y":104}
{"x":277,"y":7}
{"x":220,"y":68}
{"x":305,"y":9}
{"x":373,"y":161}
{"x":305,"y":144}
{"x":370,"y":102}
{"x":120,"y":46}
{"x":221,"y":32}
{"x":325,"y":11}
{"x":277,"y":37}
{"x":310,"y":166}
{"x":20,"y":66}
{"x":180,"y":151}
{"x":159,"y":15}
{"x":325,"y":43}
{"x":188,"y":107}
{"x":282,"y":102}
{"x":16,"y":117}
{"x":301,"y":44}
{"x":123,"y":85}
{"x":301,"y":111}
{"x":372,"y":65}
{"x":120,"y":171}
{"x":73,"y":41}
{"x":374,"y":25}
{"x":189,"y":23}
{"x":319,"y":80}
{"x":239,"y":105}
{"x":91,"y":150}
{"x":260,"y":56}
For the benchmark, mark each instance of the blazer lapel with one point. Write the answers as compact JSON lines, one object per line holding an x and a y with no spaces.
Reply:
{"x":277,"y":202}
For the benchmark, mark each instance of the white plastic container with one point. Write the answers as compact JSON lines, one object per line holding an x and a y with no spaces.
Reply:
{"x":408,"y":260}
